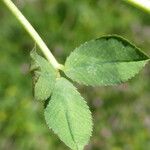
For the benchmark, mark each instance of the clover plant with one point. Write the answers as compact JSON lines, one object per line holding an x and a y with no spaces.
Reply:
{"x":108,"y":60}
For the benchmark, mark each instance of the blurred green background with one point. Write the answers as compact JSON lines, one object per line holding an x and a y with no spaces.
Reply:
{"x":121,"y":114}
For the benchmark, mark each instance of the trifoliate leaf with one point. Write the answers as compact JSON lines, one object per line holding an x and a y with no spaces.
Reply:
{"x":44,"y":76}
{"x":105,"y":61}
{"x":68,"y":115}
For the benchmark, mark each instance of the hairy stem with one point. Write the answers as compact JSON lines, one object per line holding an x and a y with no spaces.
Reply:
{"x":143,"y":4}
{"x":35,"y":36}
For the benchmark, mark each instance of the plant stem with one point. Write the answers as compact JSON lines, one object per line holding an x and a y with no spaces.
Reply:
{"x":28,"y":27}
{"x":143,"y":4}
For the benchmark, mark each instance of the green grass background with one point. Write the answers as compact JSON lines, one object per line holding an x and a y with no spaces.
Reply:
{"x":121,"y":114}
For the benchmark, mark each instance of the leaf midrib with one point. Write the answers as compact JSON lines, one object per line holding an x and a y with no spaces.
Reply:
{"x":66,"y":110}
{"x":101,"y":63}
{"x":67,"y":118}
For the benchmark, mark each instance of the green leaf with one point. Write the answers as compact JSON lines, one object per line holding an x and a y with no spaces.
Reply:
{"x":68,"y":115}
{"x":44,"y":76}
{"x":105,"y":61}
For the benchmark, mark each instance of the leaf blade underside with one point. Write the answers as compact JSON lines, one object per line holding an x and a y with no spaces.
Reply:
{"x":108,"y":60}
{"x":44,"y":76}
